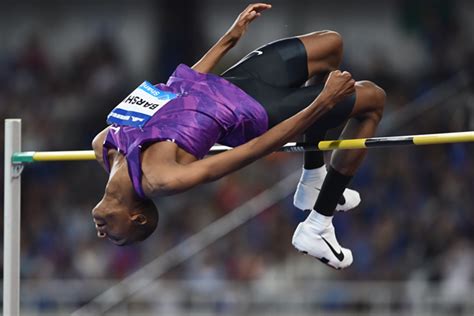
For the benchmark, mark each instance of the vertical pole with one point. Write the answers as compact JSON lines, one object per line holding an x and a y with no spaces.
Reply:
{"x":11,"y":249}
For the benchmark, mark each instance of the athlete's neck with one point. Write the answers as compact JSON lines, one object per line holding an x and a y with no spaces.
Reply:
{"x":120,"y":187}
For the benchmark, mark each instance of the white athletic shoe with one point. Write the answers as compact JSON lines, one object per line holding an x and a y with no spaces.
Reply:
{"x":305,"y":197}
{"x":321,"y":244}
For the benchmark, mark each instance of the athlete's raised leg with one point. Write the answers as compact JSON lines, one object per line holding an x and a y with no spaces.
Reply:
{"x":324,"y":51}
{"x":365,"y":117}
{"x":324,"y":54}
{"x":316,"y":235}
{"x":275,"y":74}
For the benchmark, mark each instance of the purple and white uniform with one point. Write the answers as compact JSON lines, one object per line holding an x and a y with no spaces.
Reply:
{"x":207,"y":110}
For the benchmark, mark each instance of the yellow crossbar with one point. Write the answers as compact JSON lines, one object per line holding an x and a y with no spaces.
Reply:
{"x":430,"y":139}
{"x":64,"y":155}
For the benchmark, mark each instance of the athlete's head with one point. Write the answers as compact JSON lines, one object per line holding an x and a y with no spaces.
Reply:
{"x":122,"y":224}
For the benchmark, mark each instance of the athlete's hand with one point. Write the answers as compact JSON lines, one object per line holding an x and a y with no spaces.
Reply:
{"x":238,"y":29}
{"x":339,"y":85}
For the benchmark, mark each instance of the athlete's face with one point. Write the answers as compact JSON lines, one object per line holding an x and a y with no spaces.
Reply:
{"x":125,"y":224}
{"x":114,"y":225}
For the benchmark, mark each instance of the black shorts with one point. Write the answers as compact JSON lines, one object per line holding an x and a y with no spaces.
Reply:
{"x":275,"y":75}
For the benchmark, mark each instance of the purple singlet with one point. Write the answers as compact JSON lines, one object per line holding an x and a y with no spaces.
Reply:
{"x":208,"y":110}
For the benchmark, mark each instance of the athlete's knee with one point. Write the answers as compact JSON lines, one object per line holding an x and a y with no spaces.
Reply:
{"x":334,"y":40}
{"x":329,"y":41}
{"x":333,"y":36}
{"x":375,"y":96}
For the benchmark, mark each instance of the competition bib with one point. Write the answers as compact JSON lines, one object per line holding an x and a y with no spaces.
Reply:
{"x":136,"y":109}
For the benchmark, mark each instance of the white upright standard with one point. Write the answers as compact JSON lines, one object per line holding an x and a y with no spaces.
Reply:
{"x":11,"y":249}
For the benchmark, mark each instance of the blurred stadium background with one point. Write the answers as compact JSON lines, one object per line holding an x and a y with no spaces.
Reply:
{"x":65,"y":64}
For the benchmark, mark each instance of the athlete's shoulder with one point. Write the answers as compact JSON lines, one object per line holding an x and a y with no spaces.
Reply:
{"x":183,"y":71}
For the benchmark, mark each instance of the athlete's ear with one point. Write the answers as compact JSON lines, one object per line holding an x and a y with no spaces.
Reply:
{"x":139,"y":219}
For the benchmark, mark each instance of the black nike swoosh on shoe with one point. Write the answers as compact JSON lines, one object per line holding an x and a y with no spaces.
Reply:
{"x":339,"y":256}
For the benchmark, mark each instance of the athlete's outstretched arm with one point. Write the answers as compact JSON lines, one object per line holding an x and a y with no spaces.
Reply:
{"x":177,"y":178}
{"x":230,"y":38}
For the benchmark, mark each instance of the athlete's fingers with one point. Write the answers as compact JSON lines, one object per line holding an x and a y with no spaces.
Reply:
{"x":350,"y":86}
{"x":346,"y":76}
{"x":257,"y":7}
{"x":253,"y":12}
{"x":262,"y":7}
{"x":339,"y":84}
{"x":350,"y":83}
{"x":252,"y":16}
{"x":342,"y":78}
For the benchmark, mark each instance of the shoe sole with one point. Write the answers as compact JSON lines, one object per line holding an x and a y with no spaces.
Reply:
{"x":323,"y":259}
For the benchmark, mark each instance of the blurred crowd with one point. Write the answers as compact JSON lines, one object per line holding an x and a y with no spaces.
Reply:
{"x":416,"y":219}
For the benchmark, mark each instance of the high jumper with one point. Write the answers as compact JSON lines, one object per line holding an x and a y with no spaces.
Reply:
{"x":159,"y":135}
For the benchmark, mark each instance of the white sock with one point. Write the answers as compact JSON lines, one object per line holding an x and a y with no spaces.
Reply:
{"x":319,"y":221}
{"x":309,"y":186}
{"x":314,"y":177}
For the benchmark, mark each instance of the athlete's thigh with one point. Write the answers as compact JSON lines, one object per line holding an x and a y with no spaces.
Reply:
{"x":324,"y":50}
{"x":282,"y":63}
{"x":298,"y":99}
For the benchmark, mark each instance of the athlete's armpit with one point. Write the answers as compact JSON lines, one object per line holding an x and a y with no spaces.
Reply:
{"x":173,"y":178}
